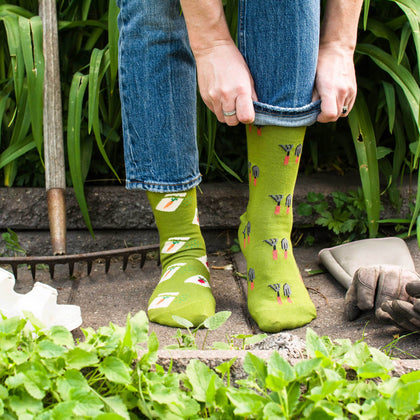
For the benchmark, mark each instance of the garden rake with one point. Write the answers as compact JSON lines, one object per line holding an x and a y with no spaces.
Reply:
{"x":55,"y":183}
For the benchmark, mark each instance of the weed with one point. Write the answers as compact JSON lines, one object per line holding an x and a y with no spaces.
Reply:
{"x":12,"y":244}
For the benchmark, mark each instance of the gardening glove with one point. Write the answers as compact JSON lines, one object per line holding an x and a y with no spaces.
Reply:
{"x":374,"y":286}
{"x":405,"y":314}
{"x":342,"y":261}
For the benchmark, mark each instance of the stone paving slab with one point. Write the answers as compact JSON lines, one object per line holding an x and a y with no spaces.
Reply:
{"x":105,"y":298}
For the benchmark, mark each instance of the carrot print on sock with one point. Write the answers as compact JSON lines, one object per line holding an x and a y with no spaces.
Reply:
{"x":251,"y":277}
{"x":277,"y":198}
{"x":248,"y":231}
{"x":285,"y":246}
{"x":288,"y":203}
{"x":255,"y":173}
{"x":287,"y":148}
{"x":273,"y":243}
{"x":298,"y":152}
{"x":277,"y":287}
{"x":250,"y":172}
{"x":287,"y":291}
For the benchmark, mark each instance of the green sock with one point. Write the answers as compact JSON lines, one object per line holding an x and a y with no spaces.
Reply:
{"x":277,"y":297}
{"x":184,"y":288}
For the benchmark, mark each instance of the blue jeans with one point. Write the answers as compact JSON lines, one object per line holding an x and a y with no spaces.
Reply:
{"x":279,"y":41}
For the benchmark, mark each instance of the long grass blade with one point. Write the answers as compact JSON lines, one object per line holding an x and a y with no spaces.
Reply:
{"x":75,"y":107}
{"x":365,"y":145}
{"x":31,"y":38}
{"x":113,"y":42}
{"x":97,"y":70}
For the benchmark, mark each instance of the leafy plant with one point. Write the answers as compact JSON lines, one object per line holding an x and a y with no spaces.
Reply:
{"x":346,"y":218}
{"x":12,"y":244}
{"x":45,"y":375}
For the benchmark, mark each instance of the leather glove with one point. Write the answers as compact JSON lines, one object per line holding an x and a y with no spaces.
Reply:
{"x":374,"y":286}
{"x":405,"y":314}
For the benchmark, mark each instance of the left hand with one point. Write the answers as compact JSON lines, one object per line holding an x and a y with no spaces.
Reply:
{"x":335,"y":82}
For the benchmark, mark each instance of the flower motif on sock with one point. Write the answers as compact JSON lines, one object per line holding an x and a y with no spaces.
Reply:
{"x":288,"y":203}
{"x":170,"y":271}
{"x":163,"y":300}
{"x":287,"y":148}
{"x":277,"y":198}
{"x":173,"y":245}
{"x":273,"y":243}
{"x":203,"y":261}
{"x":200,"y":280}
{"x":287,"y":291}
{"x":277,"y":287}
{"x":251,"y":277}
{"x":170,"y":202}
{"x":298,"y":152}
{"x":285,"y":246}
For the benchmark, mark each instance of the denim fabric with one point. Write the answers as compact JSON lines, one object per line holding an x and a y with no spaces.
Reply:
{"x":279,"y":40}
{"x":158,"y":97}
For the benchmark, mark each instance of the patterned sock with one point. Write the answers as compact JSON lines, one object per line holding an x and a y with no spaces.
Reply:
{"x":184,"y":288}
{"x":277,"y":297}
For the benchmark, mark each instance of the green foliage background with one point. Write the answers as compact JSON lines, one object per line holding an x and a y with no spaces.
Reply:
{"x":380,"y":137}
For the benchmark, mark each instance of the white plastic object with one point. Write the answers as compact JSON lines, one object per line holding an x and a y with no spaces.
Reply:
{"x":41,"y":301}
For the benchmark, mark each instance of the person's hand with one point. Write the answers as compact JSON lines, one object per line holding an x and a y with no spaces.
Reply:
{"x":226,"y":84}
{"x":405,"y":314}
{"x":335,"y":82}
{"x":374,"y":287}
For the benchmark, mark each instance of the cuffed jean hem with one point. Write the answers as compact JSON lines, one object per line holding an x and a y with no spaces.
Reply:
{"x":286,"y":117}
{"x":162,"y":187}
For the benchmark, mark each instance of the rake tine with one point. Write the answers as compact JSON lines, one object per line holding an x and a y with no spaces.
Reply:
{"x":15,"y":270}
{"x":107,"y":264}
{"x":143,"y":259}
{"x":71,"y":268}
{"x":125,"y":262}
{"x":33,"y":271}
{"x":89,"y":267}
{"x":51,"y":270}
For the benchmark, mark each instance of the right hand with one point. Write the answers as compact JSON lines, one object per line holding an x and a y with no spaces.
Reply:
{"x":225,"y":83}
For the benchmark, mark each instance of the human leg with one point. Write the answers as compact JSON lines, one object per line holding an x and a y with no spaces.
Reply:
{"x":158,"y":97}
{"x":279,"y":43}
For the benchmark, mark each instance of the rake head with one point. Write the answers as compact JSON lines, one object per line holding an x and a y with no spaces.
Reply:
{"x":89,"y":258}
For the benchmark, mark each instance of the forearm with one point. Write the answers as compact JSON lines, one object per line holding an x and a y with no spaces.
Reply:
{"x":339,"y":27}
{"x":206,"y":24}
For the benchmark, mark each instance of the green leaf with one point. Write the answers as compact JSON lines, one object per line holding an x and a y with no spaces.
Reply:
{"x":49,"y":350}
{"x":406,"y":400}
{"x":278,"y":365}
{"x":70,"y":381}
{"x":314,"y":344}
{"x":115,"y":370}
{"x":75,"y":106}
{"x":217,"y":320}
{"x":78,"y":358}
{"x":273,"y":411}
{"x":182,"y":321}
{"x":256,"y":368}
{"x":304,"y":209}
{"x":200,"y":376}
{"x":382,"y":151}
{"x":62,"y":336}
{"x":246,"y":403}
{"x":307,"y":368}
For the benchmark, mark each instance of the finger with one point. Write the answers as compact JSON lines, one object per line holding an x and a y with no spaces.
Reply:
{"x":230,"y":114}
{"x":396,"y":319}
{"x":413,"y":289}
{"x":329,"y":109}
{"x":245,"y":109}
{"x":404,"y":312}
{"x":367,"y":277}
{"x":315,"y":95}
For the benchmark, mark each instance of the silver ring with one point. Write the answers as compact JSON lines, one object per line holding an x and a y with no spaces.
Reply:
{"x":345,"y":109}
{"x":229,"y":113}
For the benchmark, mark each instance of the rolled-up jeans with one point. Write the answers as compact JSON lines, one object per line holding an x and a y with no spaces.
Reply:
{"x":157,"y":76}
